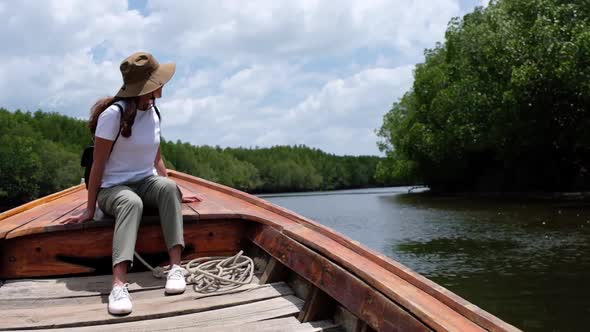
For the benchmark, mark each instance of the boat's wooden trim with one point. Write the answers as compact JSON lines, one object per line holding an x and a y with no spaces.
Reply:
{"x":351,"y":292}
{"x":469,"y":310}
{"x":40,"y":201}
{"x":382,"y":279}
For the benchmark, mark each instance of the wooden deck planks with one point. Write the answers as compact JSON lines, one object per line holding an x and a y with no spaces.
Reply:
{"x":64,"y":209}
{"x":60,"y":305}
{"x":147,"y":305}
{"x":208,"y":208}
{"x":51,"y":223}
{"x":39,"y":201}
{"x":251,"y":207}
{"x":289,"y":324}
{"x":39,"y":289}
{"x":266,"y":315}
{"x":46,"y":211}
{"x":217,"y":203}
{"x":47,"y":214}
{"x":27,"y":294}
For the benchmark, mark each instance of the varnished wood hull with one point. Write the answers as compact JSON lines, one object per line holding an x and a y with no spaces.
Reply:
{"x":384,"y":294}
{"x":88,"y":250}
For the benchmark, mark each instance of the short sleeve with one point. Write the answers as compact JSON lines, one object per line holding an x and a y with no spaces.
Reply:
{"x":108,"y":123}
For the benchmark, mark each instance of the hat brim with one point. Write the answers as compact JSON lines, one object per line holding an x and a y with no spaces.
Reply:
{"x":156,"y":80}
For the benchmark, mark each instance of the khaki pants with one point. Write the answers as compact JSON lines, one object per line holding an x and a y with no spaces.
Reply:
{"x":125,"y":202}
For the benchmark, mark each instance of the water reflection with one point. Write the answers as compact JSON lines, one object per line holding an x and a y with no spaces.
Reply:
{"x":525,"y":261}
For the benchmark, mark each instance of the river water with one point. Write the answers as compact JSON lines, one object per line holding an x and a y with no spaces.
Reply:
{"x":527,"y":262}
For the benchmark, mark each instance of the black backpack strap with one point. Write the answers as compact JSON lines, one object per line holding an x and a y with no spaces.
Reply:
{"x":157,"y":112}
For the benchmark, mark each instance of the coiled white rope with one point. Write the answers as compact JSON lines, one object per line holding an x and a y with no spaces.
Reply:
{"x":212,"y":274}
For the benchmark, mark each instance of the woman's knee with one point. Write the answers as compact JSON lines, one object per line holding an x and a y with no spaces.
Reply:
{"x":169,"y":187}
{"x":131,"y":202}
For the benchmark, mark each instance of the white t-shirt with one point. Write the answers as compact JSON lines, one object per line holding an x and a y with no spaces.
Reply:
{"x":132,"y":158}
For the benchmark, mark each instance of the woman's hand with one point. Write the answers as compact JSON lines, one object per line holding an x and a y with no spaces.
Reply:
{"x":191,"y":199}
{"x":188,"y":196}
{"x":86,"y":215}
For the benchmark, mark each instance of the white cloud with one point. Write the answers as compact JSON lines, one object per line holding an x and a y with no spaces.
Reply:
{"x":345,"y":112}
{"x":340,"y":118}
{"x":60,"y":27}
{"x":307,"y":28}
{"x":249,"y":73}
{"x":68,"y":84}
{"x":253,"y":83}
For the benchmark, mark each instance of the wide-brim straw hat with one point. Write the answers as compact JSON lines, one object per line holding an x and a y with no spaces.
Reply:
{"x":143,"y":74}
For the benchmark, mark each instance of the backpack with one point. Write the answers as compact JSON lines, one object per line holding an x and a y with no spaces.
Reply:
{"x":88,"y":153}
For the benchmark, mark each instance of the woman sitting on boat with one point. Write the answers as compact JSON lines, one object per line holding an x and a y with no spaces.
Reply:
{"x":128,"y":172}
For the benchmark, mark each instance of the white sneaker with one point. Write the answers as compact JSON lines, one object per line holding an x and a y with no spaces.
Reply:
{"x":175,"y":281}
{"x":120,"y":300}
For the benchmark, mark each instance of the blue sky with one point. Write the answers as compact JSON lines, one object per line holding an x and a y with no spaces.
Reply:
{"x":256,"y":73}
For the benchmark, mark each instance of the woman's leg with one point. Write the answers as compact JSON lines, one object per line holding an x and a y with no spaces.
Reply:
{"x":120,"y":273}
{"x":175,"y":254}
{"x":163,"y":193}
{"x":127,"y":208}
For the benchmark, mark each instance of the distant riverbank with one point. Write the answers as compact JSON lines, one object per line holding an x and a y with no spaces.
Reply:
{"x":582,"y":196}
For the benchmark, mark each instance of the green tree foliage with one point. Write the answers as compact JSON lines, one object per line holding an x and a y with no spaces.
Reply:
{"x":36,"y":157}
{"x":212,"y":164}
{"x":60,"y":167}
{"x":501,"y":105}
{"x":40,"y":154}
{"x":299,"y":168}
{"x":19,"y":169}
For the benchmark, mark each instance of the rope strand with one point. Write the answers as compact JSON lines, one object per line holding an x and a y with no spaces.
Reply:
{"x":212,"y":274}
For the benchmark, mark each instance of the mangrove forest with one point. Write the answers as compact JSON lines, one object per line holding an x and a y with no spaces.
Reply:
{"x":503,"y":104}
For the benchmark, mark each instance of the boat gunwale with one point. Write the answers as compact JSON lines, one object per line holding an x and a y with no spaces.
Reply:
{"x":469,"y":310}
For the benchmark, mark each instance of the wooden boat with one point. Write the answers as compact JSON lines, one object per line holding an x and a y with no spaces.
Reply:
{"x":309,"y":277}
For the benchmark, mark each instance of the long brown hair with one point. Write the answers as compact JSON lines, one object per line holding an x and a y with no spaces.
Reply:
{"x":128,"y":113}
